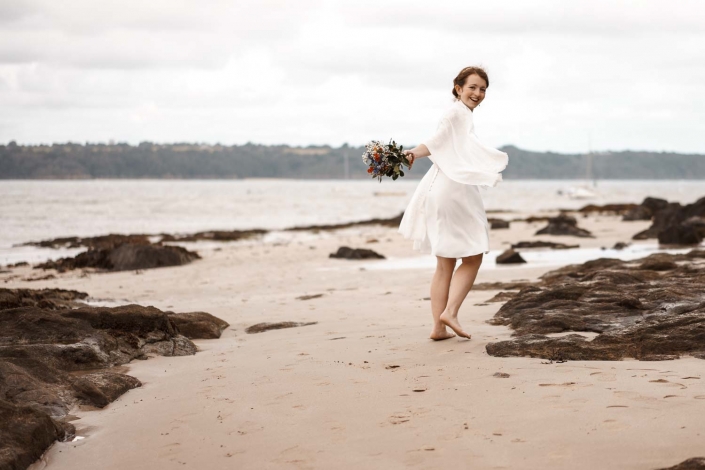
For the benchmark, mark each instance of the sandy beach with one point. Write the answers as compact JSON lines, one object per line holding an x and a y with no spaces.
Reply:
{"x":364,"y":386}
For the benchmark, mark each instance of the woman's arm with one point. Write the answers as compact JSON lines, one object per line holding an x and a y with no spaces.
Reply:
{"x":419,"y":151}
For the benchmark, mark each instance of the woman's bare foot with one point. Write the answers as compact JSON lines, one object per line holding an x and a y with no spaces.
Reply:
{"x":452,"y":323}
{"x":440,"y":334}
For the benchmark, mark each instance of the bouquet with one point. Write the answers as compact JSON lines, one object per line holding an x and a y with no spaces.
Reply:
{"x":385,"y":160}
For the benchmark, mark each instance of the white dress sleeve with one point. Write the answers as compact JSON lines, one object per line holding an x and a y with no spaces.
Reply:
{"x":456,"y":150}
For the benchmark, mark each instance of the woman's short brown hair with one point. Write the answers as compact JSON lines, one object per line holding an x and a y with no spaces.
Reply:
{"x":465,"y":73}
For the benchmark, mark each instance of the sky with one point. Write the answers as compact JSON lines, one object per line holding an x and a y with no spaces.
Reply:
{"x":565,"y":76}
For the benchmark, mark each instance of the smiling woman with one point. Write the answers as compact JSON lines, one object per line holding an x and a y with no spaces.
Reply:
{"x":446,"y":215}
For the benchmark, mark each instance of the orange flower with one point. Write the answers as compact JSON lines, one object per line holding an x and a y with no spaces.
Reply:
{"x":369,"y":170}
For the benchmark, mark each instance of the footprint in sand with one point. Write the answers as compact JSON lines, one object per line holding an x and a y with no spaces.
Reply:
{"x":614,"y":425}
{"x":672,"y":384}
{"x":399,"y":418}
{"x":634,"y":396}
{"x":605,"y":376}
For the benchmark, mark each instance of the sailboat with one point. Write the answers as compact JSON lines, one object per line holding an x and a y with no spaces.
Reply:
{"x":583,"y":191}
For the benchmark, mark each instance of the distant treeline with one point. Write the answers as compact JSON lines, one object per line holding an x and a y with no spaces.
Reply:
{"x":148,"y":160}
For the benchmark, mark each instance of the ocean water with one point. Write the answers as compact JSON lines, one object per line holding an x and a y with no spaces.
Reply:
{"x":34,"y":210}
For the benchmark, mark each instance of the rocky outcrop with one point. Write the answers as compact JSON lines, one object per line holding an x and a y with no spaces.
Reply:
{"x":543,"y":244}
{"x":198,"y":325}
{"x":496,"y":224}
{"x":509,"y":257}
{"x":100,"y":242}
{"x":645,"y":210}
{"x":25,"y":433}
{"x":55,"y":353}
{"x":650,"y":309}
{"x":618,"y":209}
{"x":390,"y":222}
{"x":214,"y":235}
{"x":696,"y":463}
{"x":564,"y":225}
{"x":674,"y":224}
{"x":89,"y":337}
{"x":513,"y":285}
{"x":125,"y":257}
{"x":106,"y":242}
{"x":345,"y":252}
{"x":52,"y":299}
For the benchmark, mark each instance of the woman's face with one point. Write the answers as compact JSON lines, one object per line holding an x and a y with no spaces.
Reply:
{"x":473,"y":92}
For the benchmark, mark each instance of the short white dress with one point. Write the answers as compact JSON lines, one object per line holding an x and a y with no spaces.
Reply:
{"x":446,"y":216}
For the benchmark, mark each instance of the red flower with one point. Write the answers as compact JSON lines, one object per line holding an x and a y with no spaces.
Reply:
{"x":369,"y":170}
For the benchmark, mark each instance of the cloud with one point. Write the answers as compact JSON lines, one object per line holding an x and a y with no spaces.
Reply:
{"x":619,"y":74}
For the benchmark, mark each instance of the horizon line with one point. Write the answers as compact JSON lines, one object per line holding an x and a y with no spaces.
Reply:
{"x":112,"y":142}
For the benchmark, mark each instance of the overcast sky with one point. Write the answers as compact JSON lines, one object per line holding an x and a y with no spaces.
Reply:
{"x":565,"y":75}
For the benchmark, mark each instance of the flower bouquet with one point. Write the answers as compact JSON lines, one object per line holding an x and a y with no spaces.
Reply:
{"x":385,"y":160}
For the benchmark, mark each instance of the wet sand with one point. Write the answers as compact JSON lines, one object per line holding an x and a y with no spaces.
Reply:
{"x":364,"y":386}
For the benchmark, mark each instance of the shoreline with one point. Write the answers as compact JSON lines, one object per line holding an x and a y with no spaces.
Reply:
{"x":327,"y":395}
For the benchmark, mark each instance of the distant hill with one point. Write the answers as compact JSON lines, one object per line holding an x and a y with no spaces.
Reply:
{"x":183,"y":160}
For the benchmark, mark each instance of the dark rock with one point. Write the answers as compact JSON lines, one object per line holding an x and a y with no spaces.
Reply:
{"x":390,"y":222}
{"x":214,"y":235}
{"x":543,"y":244}
{"x":51,"y":356}
{"x":696,"y":463}
{"x":198,"y":325}
{"x":498,"y":224}
{"x":620,"y":246}
{"x":658,"y":264}
{"x":564,"y":225}
{"x":618,"y":209}
{"x":125,"y":257}
{"x":500,"y":285}
{"x":345,"y":252}
{"x":502,"y":297}
{"x":637,"y":213}
{"x":51,"y":299}
{"x":25,"y":433}
{"x":665,"y":217}
{"x":654,"y":204}
{"x":110,"y":241}
{"x":677,"y":225}
{"x":533,"y":219}
{"x":101,"y":388}
{"x":102,"y":242}
{"x":646,"y":210}
{"x":262,"y":327}
{"x":19,"y":264}
{"x":89,"y":337}
{"x":510,"y":257}
{"x":648,"y":309}
{"x":680,"y":235}
{"x":501,"y":375}
{"x":659,"y":357}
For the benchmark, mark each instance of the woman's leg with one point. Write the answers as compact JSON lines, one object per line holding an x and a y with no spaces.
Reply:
{"x":462,"y":282}
{"x":440,"y":286}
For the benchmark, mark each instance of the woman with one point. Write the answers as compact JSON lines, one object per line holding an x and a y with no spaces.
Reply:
{"x":446,"y":215}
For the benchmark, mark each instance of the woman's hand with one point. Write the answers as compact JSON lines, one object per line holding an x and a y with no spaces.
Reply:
{"x":415,"y":153}
{"x":411,"y":157}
